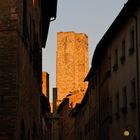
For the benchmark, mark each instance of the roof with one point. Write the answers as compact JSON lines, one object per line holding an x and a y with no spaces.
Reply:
{"x":49,"y":9}
{"x":60,"y":107}
{"x":79,"y":106}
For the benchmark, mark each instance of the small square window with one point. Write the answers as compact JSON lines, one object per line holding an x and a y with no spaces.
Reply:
{"x":124,"y":107}
{"x":133,"y":94}
{"x":115,"y":67}
{"x":122,"y":59}
{"x":132,"y":42}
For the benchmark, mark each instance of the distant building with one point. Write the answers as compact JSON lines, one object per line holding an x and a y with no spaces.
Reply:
{"x":45,"y":84}
{"x":71,"y":64}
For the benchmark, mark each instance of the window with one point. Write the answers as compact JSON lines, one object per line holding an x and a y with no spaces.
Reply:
{"x":124,"y":97}
{"x":115,"y":67}
{"x":124,"y":107}
{"x":109,"y":62}
{"x":24,"y":22}
{"x":109,"y":66}
{"x":133,"y":94}
{"x":1,"y":99}
{"x":22,"y":134}
{"x":33,"y":1}
{"x":80,"y":134}
{"x":122,"y":59}
{"x":24,"y":16}
{"x":85,"y":130}
{"x":110,"y":109}
{"x":132,"y":42}
{"x":34,"y":130}
{"x":117,"y":106}
{"x":28,"y":135}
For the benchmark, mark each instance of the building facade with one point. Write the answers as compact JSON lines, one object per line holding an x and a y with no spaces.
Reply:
{"x":111,"y":110}
{"x":115,"y":68}
{"x":23,"y":32}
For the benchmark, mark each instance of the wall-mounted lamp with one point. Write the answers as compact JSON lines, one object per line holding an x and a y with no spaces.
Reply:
{"x":126,"y":133}
{"x":129,"y":132}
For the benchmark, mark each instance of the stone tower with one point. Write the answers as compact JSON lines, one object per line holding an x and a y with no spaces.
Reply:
{"x":71,"y":63}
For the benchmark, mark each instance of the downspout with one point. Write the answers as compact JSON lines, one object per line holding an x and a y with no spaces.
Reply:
{"x":137,"y":73}
{"x":137,"y":69}
{"x":137,"y":66}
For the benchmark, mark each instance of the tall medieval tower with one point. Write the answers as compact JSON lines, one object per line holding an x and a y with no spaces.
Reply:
{"x":71,"y":63}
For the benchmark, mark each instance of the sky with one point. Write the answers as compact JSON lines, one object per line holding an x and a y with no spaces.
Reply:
{"x":92,"y":17}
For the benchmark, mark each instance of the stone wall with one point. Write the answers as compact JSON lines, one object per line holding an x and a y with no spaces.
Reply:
{"x":71,"y":63}
{"x":20,"y":87}
{"x":8,"y":81}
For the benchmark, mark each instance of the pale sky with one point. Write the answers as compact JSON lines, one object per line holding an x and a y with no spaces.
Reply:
{"x":92,"y":17}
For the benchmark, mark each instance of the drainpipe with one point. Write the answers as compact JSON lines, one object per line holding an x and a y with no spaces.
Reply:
{"x":137,"y":72}
{"x":137,"y":66}
{"x":137,"y":69}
